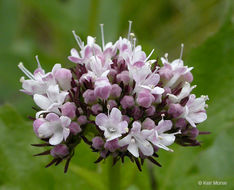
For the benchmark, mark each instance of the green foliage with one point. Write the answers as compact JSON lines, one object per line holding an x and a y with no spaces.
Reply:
{"x":31,"y":27}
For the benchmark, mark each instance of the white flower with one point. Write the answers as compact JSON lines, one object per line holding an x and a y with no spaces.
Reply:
{"x":52,"y":101}
{"x":112,"y":125}
{"x":136,"y":140}
{"x":185,"y":91}
{"x":55,"y":128}
{"x":38,"y":82}
{"x":194,"y":110}
{"x":161,"y":139}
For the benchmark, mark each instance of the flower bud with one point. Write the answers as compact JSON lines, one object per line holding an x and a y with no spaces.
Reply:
{"x":96,"y":108}
{"x":36,"y":124}
{"x":59,"y":151}
{"x":82,"y":120}
{"x":175,"y":110}
{"x":89,"y":96}
{"x":150,"y":111}
{"x":181,"y":123}
{"x":127,"y":102}
{"x":148,"y":124}
{"x":115,"y":90}
{"x":112,"y":104}
{"x":74,"y":128}
{"x":123,"y":77}
{"x":112,"y":145}
{"x":145,"y":99}
{"x":191,"y":132}
{"x":102,"y":88}
{"x":63,"y":76}
{"x":126,"y":118}
{"x":97,"y":143}
{"x":69,"y":110}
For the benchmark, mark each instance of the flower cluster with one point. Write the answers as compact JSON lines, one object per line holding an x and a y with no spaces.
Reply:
{"x":115,"y":99}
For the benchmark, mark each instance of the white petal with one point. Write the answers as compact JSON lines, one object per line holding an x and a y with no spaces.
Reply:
{"x":66,"y":133}
{"x":157,"y":90}
{"x":125,"y":141}
{"x":45,"y":130}
{"x":133,"y":149}
{"x":115,"y":115}
{"x":65,"y":121}
{"x":56,"y":138}
{"x":146,"y":148}
{"x":167,"y":139}
{"x":198,"y":117}
{"x":42,"y":101}
{"x":101,"y":119}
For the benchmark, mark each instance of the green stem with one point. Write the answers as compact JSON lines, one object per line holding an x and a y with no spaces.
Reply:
{"x":114,"y":175}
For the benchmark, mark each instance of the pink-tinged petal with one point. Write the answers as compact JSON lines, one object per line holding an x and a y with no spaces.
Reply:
{"x":153,"y":79}
{"x":52,"y":117}
{"x":45,"y":130}
{"x":66,"y":133}
{"x":146,"y":148}
{"x":190,"y":121}
{"x":198,"y":117}
{"x":41,"y":101}
{"x":125,"y":141}
{"x":139,"y":64}
{"x":105,"y":73}
{"x":53,"y":92}
{"x":65,"y":121}
{"x":101,"y":119}
{"x":167,"y":139}
{"x":146,"y":133}
{"x":136,"y":127}
{"x":157,"y":90}
{"x":133,"y":149}
{"x":163,"y":125}
{"x":112,"y":137}
{"x":61,"y":97}
{"x":74,"y":53}
{"x":36,"y":124}
{"x":56,"y":67}
{"x":56,"y":138}
{"x":75,"y":59}
{"x":123,"y":127}
{"x":115,"y":115}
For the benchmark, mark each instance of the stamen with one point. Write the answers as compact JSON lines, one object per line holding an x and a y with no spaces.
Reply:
{"x":102,"y":33}
{"x":108,"y":109}
{"x":166,"y":56}
{"x":26,"y":71}
{"x":129,"y":28}
{"x":163,"y":115}
{"x":149,"y":55}
{"x":181,"y":51}
{"x":78,"y":40}
{"x":38,"y":62}
{"x":134,"y":43}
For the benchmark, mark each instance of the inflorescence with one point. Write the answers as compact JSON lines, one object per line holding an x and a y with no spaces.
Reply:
{"x":115,"y":99}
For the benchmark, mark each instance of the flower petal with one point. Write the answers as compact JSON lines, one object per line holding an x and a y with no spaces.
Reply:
{"x":133,"y":149}
{"x":115,"y":115}
{"x":42,"y":101}
{"x":101,"y":119}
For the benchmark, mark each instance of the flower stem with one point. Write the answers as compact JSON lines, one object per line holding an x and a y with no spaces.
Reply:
{"x":114,"y":181}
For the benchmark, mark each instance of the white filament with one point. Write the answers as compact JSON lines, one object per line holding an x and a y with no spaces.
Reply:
{"x":38,"y":62}
{"x":181,"y":51}
{"x":102,"y":33}
{"x":149,"y":55}
{"x":78,"y":40}
{"x":129,"y":28}
{"x":26,"y":71}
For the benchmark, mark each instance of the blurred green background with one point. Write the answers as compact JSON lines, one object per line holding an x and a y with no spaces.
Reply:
{"x":36,"y":27}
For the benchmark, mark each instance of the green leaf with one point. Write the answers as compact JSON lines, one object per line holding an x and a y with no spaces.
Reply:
{"x":91,"y":177}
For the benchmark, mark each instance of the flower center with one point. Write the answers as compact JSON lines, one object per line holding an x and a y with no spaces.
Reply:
{"x":111,"y":130}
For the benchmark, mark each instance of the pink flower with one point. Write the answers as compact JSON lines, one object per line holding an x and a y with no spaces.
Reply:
{"x":145,"y":98}
{"x":102,"y":88}
{"x":137,"y":140}
{"x":194,"y":110}
{"x":112,"y":125}
{"x":55,"y":128}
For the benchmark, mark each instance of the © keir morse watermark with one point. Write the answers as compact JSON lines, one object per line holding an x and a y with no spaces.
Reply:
{"x":212,"y":182}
